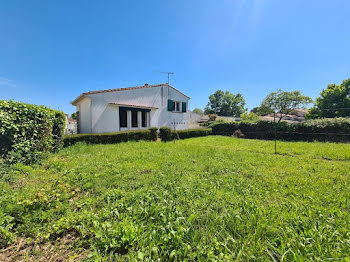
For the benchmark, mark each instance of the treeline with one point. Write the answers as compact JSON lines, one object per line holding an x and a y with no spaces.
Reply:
{"x":334,"y":101}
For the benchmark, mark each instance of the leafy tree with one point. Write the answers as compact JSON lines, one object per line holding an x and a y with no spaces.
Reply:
{"x":74,"y":115}
{"x":334,"y":101}
{"x":249,"y":117}
{"x":198,"y":111}
{"x":225,"y":104}
{"x":283,"y":102}
{"x":255,"y":110}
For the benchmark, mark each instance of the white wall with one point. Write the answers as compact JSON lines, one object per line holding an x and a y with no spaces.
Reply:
{"x":105,"y":118}
{"x":84,"y":109}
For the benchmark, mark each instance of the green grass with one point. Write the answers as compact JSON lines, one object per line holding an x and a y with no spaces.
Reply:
{"x":210,"y":198}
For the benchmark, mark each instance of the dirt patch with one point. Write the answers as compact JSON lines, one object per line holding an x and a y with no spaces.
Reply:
{"x":43,"y":252}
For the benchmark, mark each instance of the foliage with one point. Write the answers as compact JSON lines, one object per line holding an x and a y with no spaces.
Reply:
{"x":203,"y":199}
{"x":189,"y":133}
{"x":283,"y":102}
{"x":74,"y":115}
{"x":153,"y":133}
{"x":334,"y":101}
{"x":26,"y":131}
{"x":165,"y":134}
{"x":225,"y":104}
{"x":250,"y":117}
{"x":335,"y":130}
{"x":198,"y":111}
{"x":109,"y":138}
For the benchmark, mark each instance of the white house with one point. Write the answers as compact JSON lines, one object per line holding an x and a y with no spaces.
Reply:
{"x":131,"y":108}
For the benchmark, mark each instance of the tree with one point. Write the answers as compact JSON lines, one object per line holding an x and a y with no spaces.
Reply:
{"x":249,"y":117}
{"x":283,"y":102}
{"x":74,"y":115}
{"x":198,"y":111}
{"x":225,"y":104}
{"x":334,"y":101}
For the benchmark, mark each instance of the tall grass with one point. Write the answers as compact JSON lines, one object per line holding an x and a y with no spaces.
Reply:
{"x":205,"y":199}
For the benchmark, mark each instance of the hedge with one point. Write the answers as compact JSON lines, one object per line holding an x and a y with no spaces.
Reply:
{"x":109,"y":138}
{"x":154,"y":133}
{"x":165,"y":134}
{"x":332,"y":129}
{"x":26,"y":131}
{"x":188,"y":133}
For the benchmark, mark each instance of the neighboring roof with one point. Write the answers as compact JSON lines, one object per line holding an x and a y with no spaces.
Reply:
{"x":128,"y":105}
{"x":121,"y":89}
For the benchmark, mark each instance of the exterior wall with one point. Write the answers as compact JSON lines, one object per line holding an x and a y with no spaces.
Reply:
{"x":174,"y":120}
{"x":105,"y":117}
{"x":84,"y":109}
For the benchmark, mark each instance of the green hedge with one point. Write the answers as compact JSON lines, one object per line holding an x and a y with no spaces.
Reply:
{"x":154,"y":133}
{"x":188,"y":133}
{"x":26,"y":131}
{"x":165,"y":134}
{"x":109,"y":138}
{"x":334,"y":130}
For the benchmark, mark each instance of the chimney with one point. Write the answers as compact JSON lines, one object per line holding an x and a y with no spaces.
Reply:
{"x":146,"y":84}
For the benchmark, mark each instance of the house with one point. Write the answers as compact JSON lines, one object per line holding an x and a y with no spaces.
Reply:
{"x":131,"y":108}
{"x":71,"y":125}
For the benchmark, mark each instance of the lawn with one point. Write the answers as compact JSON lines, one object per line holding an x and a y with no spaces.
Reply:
{"x":209,"y":198}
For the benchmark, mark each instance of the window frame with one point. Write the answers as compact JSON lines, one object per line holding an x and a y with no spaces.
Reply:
{"x":177,"y":106}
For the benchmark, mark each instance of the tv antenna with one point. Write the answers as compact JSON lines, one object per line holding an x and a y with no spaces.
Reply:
{"x":168,"y":73}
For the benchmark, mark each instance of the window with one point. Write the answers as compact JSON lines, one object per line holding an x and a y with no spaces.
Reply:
{"x":176,"y":106}
{"x":134,"y":118}
{"x":123,"y":122}
{"x":144,"y":119}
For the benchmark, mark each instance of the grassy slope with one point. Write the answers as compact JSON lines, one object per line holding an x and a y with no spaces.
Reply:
{"x":204,"y":198}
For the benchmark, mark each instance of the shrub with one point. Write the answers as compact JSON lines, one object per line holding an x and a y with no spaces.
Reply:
{"x":26,"y":131}
{"x":165,"y":134}
{"x":108,"y":138}
{"x":335,"y":129}
{"x":249,"y":117}
{"x":188,"y":133}
{"x":153,"y":133}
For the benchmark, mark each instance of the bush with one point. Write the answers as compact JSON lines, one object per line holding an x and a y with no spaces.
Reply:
{"x":188,"y":133}
{"x":165,"y":134}
{"x":153,"y":133}
{"x":108,"y":138}
{"x":332,"y":129}
{"x":26,"y":131}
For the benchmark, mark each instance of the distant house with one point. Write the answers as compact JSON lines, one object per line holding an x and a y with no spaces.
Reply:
{"x":71,"y":125}
{"x":131,"y":108}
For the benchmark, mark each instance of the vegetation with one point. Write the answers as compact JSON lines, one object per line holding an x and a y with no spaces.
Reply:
{"x":336,"y":130}
{"x":74,"y":115}
{"x":283,"y":103}
{"x":203,"y":199}
{"x":27,"y":131}
{"x":249,"y":117}
{"x":165,"y":134}
{"x":109,"y":138}
{"x":333,"y":101}
{"x":225,"y":104}
{"x":198,"y":111}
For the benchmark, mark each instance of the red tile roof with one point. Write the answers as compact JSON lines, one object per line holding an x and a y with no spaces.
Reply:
{"x":122,"y":89}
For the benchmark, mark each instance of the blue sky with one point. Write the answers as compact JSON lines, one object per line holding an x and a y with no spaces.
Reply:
{"x":51,"y":51}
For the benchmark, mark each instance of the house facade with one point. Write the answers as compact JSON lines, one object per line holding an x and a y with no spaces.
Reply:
{"x":131,"y":108}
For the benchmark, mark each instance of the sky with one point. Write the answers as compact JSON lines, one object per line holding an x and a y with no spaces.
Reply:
{"x":52,"y":51}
